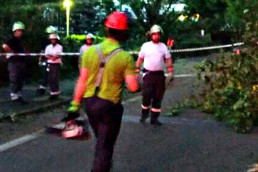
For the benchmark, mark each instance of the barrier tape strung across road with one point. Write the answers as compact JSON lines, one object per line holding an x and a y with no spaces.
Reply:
{"x":131,"y":52}
{"x":36,"y":54}
{"x":208,"y":48}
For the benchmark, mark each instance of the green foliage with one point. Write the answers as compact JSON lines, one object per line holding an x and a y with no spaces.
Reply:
{"x":230,"y":91}
{"x":78,"y":38}
{"x":70,"y":63}
{"x":212,"y":13}
{"x":238,"y":14}
{"x":230,"y":88}
{"x":177,"y":109}
{"x":195,"y":41}
{"x":149,"y":13}
{"x":31,"y":15}
{"x":81,"y":38}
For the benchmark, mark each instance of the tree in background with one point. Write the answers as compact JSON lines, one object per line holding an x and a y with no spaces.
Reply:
{"x":38,"y":14}
{"x":239,"y":13}
{"x":149,"y":13}
{"x":212,"y":18}
{"x":31,"y":15}
{"x":230,"y":92}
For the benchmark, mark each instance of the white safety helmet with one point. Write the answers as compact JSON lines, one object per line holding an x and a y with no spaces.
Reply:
{"x":156,"y":28}
{"x":18,"y":25}
{"x":89,"y":35}
{"x":53,"y":36}
{"x":50,"y":29}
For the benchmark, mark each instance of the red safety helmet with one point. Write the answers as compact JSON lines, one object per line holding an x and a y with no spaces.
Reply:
{"x":117,"y":20}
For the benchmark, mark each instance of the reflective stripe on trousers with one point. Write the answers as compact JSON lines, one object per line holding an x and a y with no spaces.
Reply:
{"x":155,"y":110}
{"x":145,"y":107}
{"x":14,"y":96}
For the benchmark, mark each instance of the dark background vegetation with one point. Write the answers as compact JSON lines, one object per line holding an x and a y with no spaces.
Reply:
{"x":88,"y":16}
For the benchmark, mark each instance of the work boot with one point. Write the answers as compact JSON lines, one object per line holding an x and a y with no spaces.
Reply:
{"x":19,"y":101}
{"x":40,"y":91}
{"x":145,"y":115}
{"x":53,"y":97}
{"x":154,"y":118}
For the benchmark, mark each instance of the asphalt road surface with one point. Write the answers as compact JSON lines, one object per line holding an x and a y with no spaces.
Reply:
{"x":191,"y":142}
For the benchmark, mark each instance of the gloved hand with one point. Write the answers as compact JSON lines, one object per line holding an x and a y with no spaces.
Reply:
{"x":137,"y":74}
{"x":8,"y":56}
{"x":74,"y":107}
{"x":73,"y":111}
{"x":138,"y":77}
{"x":169,"y":78}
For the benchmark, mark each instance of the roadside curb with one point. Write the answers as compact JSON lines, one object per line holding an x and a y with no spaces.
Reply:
{"x":11,"y":116}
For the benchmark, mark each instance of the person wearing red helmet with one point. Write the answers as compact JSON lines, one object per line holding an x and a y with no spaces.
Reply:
{"x":152,"y":55}
{"x":103,"y":70}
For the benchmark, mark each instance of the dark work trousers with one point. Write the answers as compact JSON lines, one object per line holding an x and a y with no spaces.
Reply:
{"x":53,"y":78}
{"x":44,"y":73}
{"x":153,"y":89}
{"x":17,"y":71}
{"x":105,"y":119}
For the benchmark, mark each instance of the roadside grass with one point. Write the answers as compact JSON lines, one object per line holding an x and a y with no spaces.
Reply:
{"x":186,"y":65}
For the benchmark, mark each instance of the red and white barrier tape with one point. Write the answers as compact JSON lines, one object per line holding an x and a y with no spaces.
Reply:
{"x":200,"y":49}
{"x":208,"y":48}
{"x":37,"y":54}
{"x":131,"y":52}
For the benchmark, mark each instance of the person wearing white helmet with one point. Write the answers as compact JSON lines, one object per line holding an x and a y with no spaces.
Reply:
{"x":88,"y":42}
{"x":50,"y":30}
{"x":16,"y":64}
{"x":53,"y":56}
{"x":43,"y":61}
{"x":152,"y":55}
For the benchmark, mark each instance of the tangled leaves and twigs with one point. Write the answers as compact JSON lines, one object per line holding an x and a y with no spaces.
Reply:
{"x":177,"y":109}
{"x":230,"y":88}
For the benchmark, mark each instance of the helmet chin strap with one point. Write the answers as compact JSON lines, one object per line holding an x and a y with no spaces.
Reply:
{"x":54,"y":43}
{"x":88,"y":43}
{"x":155,"y":41}
{"x":17,"y":36}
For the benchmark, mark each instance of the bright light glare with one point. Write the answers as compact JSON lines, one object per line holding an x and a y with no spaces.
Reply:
{"x":67,"y":3}
{"x":182,"y":17}
{"x":116,"y":2}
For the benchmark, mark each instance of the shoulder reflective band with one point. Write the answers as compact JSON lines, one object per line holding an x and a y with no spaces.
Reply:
{"x":102,"y":63}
